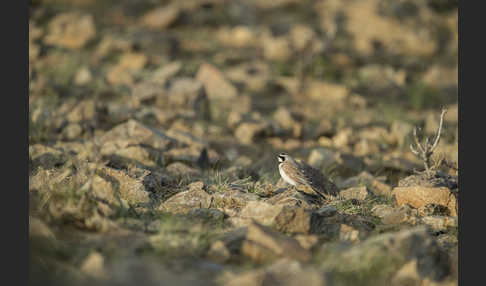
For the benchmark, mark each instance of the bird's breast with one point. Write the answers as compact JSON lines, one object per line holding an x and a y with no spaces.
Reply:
{"x":285,"y":176}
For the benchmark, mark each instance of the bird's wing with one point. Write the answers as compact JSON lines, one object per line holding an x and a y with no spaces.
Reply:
{"x":294,"y":172}
{"x":317,"y":180}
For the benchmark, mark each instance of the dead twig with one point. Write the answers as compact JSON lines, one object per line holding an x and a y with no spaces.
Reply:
{"x":424,"y":151}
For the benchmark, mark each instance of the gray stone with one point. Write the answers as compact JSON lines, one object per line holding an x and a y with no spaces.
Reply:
{"x":263,"y":243}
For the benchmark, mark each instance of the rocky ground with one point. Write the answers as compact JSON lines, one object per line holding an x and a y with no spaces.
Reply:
{"x":155,"y":125}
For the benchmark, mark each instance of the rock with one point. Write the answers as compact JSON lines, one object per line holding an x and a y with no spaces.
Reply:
{"x":206,"y":214}
{"x":34,"y":34}
{"x":161,"y":75}
{"x":134,"y":133}
{"x":382,"y":211}
{"x":262,"y":243}
{"x":301,"y":36}
{"x":218,"y":252}
{"x":384,"y":77}
{"x":216,"y":85}
{"x":365,"y":147}
{"x":132,"y":61}
{"x":327,"y":211}
{"x":374,"y":185}
{"x":132,"y":142}
{"x":118,"y":75}
{"x":289,"y":197}
{"x":43,"y":179}
{"x":290,"y":84}
{"x":391,"y":34}
{"x":186,"y":93}
{"x":358,"y":193}
{"x":390,"y":252}
{"x":399,"y":131}
{"x":259,"y":211}
{"x":45,"y":156}
{"x":307,"y":241}
{"x":238,"y":37}
{"x":438,"y":179}
{"x":440,"y":223}
{"x":447,"y":241}
{"x":72,"y":131}
{"x":408,"y":274}
{"x":289,"y":144}
{"x":342,"y":138}
{"x":325,"y":141}
{"x":233,"y":240}
{"x":397,"y":162}
{"x":283,"y":117}
{"x":433,"y":209}
{"x":403,"y":214}
{"x":375,"y":133}
{"x":181,"y":169}
{"x":146,"y":90}
{"x":254,"y":75}
{"x":298,"y":220}
{"x":83,"y":111}
{"x":293,"y":220}
{"x":38,"y":228}
{"x":452,"y":114}
{"x":34,"y":51}
{"x":420,"y":196}
{"x":162,"y":17}
{"x":129,"y":63}
{"x":276,"y":48}
{"x":247,"y":132}
{"x":147,"y":271}
{"x":349,"y":233}
{"x":242,"y":104}
{"x":325,"y":128}
{"x":191,"y":155}
{"x":133,"y":154}
{"x":185,"y":201}
{"x":283,"y":272}
{"x":438,"y":76}
{"x":232,"y":200}
{"x":431,"y":124}
{"x":83,"y":76}
{"x":109,"y":44}
{"x":329,"y":92}
{"x":345,"y":227}
{"x":349,"y":163}
{"x":70,"y":30}
{"x":94,"y":266}
{"x":129,"y":188}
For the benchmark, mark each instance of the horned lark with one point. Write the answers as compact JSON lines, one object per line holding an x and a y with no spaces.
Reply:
{"x":299,"y":173}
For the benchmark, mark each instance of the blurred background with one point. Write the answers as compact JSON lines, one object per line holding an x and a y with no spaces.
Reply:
{"x":337,"y":83}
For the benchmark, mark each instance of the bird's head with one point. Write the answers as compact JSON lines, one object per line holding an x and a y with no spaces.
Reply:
{"x":282,"y":157}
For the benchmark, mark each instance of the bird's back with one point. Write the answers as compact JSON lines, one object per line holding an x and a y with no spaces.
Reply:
{"x":315,"y":179}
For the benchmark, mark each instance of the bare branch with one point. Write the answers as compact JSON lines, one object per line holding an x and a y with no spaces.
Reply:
{"x":413,"y":150}
{"x":424,"y":151}
{"x":437,"y":139}
{"x":415,"y":138}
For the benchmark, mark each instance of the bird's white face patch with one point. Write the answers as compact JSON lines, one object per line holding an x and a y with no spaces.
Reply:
{"x":285,"y":177}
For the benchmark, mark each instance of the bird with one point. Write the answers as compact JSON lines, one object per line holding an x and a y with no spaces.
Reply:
{"x":299,"y":173}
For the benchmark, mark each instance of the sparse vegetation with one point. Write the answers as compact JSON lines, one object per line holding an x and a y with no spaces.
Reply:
{"x":425,"y":150}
